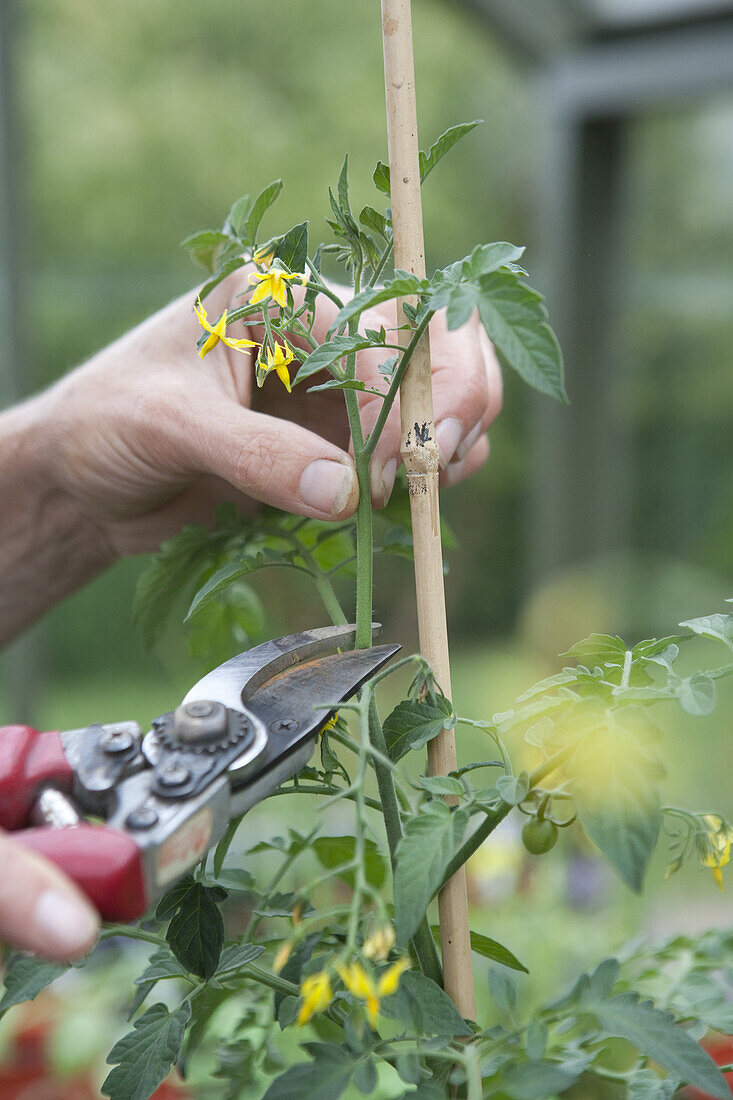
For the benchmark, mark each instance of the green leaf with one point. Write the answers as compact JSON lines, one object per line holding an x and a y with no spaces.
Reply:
{"x":534,"y":1080}
{"x":697,"y":694}
{"x":334,"y":851}
{"x":647,"y":1085}
{"x":226,"y":269}
{"x":222,"y":578}
{"x":431,"y":839}
{"x":422,"y":1007}
{"x":513,"y":788}
{"x":142,"y":1059}
{"x":443,"y":145}
{"x":372,"y":219}
{"x":206,"y":248}
{"x":412,"y":724}
{"x":260,"y":206}
{"x":26,"y":976}
{"x":719,"y":627}
{"x":327,"y":1078}
{"x":503,"y":991}
{"x":343,"y":384}
{"x":656,"y":1035}
{"x":365,"y":1076}
{"x":327,"y":354}
{"x":442,"y":785}
{"x":402,"y":285}
{"x":515,"y":319}
{"x":598,"y":649}
{"x":237,"y":216}
{"x":292,"y":249}
{"x":343,"y":186}
{"x":195,"y":934}
{"x":616,"y":802}
{"x":492,"y":949}
{"x":381,"y":177}
{"x":236,"y":955}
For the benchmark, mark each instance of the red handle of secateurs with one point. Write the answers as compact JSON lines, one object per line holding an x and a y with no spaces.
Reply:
{"x":104,"y":863}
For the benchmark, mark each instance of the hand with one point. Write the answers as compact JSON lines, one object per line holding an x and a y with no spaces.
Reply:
{"x":147,"y":436}
{"x":40,"y":909}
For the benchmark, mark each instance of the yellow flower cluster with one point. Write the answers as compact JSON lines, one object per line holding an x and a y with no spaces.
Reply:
{"x":362,"y":985}
{"x":277,"y":360}
{"x":317,"y":994}
{"x":272,"y":284}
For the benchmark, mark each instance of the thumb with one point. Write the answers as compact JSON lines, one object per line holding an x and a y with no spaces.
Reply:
{"x":273,"y":460}
{"x":40,"y":909}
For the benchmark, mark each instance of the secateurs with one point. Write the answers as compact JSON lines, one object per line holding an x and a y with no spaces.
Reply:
{"x":166,"y":797}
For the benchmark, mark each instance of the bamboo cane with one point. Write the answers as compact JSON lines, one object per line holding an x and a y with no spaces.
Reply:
{"x":420,"y":454}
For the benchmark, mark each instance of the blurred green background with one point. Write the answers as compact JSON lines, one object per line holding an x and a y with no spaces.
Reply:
{"x":134,"y":124}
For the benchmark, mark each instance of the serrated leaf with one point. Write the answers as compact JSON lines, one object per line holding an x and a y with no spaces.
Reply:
{"x":617,"y":803}
{"x":503,"y":991}
{"x":365,"y":1076}
{"x":402,"y":285}
{"x":442,"y":785}
{"x":342,"y":186}
{"x":226,"y":269}
{"x":221,"y":579}
{"x":697,"y":694}
{"x":492,"y":949}
{"x":327,"y":1078}
{"x":647,"y":1085}
{"x":260,"y":206}
{"x":372,"y":219}
{"x":25,"y":976}
{"x":513,"y":788}
{"x":656,"y":1035}
{"x":430,"y":841}
{"x":142,"y":1059}
{"x":443,"y":145}
{"x":381,"y":179}
{"x":329,"y":353}
{"x":515,"y":319}
{"x":412,"y":724}
{"x":207,"y":248}
{"x":535,"y":1080}
{"x":195,"y":934}
{"x":598,"y":649}
{"x":422,"y":1007}
{"x":719,"y":627}
{"x":342,"y":384}
{"x":292,"y":249}
{"x":236,"y":955}
{"x":237,"y":216}
{"x":335,"y":851}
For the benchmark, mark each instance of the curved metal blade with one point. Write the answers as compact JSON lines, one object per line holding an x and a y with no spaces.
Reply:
{"x":237,"y":679}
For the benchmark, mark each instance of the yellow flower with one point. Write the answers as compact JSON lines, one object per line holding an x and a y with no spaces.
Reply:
{"x":362,"y":985}
{"x":379,"y":943}
{"x":278,"y":360}
{"x":718,"y":846}
{"x":330,"y":724}
{"x":263,"y":256}
{"x":272,"y":284}
{"x":217,"y":332}
{"x":316,"y":993}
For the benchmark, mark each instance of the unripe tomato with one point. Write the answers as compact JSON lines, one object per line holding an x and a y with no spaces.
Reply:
{"x":539,"y":836}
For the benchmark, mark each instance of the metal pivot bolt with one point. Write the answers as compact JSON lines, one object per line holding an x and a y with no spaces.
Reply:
{"x":144,"y":817}
{"x":115,"y":742}
{"x":284,"y":725}
{"x":173,"y":774}
{"x":200,"y":722}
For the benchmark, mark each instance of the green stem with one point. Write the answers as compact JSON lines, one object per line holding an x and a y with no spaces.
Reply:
{"x":495,"y":817}
{"x":364,"y":567}
{"x":329,"y":599}
{"x":304,"y":788}
{"x":131,"y":933}
{"x":394,"y":387}
{"x":423,"y":942}
{"x":381,"y":264}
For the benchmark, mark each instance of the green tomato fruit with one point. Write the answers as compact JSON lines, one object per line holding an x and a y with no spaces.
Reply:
{"x":539,"y":836}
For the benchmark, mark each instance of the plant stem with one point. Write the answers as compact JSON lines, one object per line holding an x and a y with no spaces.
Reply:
{"x":394,"y":387}
{"x":304,"y":788}
{"x":495,"y":817}
{"x":423,"y":942}
{"x":329,"y":599}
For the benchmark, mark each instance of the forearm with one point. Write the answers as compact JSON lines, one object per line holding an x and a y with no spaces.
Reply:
{"x":46,"y":549}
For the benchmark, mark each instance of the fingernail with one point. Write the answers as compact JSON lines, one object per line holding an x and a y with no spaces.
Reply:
{"x":327,"y":486}
{"x":453,"y":474}
{"x":448,"y":434}
{"x":65,"y":926}
{"x":469,"y":441}
{"x":388,"y":475}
